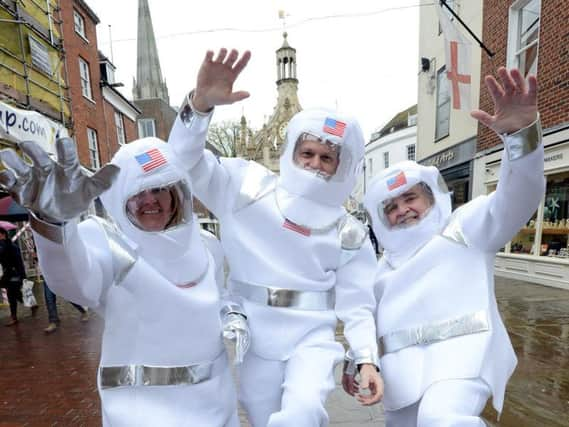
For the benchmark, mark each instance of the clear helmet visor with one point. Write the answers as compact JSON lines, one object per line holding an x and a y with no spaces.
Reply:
{"x":322,"y":157}
{"x":408,"y":208}
{"x":159,"y":208}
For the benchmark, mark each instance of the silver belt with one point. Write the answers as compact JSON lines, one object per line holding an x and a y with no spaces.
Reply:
{"x":144,"y":375}
{"x":289,"y":298}
{"x":439,"y":331}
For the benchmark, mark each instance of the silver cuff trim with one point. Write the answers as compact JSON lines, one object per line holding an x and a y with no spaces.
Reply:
{"x":124,"y":257}
{"x":189,"y":115}
{"x":279,"y":297}
{"x":352,"y":233}
{"x":257,"y":183}
{"x":52,"y":232}
{"x":427,"y":334}
{"x":365,"y":356}
{"x":524,"y":141}
{"x":350,"y":366}
{"x":144,"y":375}
{"x":232,"y":308}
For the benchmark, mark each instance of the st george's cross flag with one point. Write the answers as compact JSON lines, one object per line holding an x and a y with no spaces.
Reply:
{"x":458,"y":53}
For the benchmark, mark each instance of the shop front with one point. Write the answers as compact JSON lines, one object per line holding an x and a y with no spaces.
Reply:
{"x":540,"y":251}
{"x":455,"y":165}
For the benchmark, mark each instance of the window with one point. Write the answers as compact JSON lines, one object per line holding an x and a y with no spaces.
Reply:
{"x":370,"y":167}
{"x":411,"y":119}
{"x":411,"y":152}
{"x":523,"y":35}
{"x":386,"y":159}
{"x":443,"y":105}
{"x":146,"y":127}
{"x":85,"y":79}
{"x":94,"y":159}
{"x":119,"y":123}
{"x":79,"y":24}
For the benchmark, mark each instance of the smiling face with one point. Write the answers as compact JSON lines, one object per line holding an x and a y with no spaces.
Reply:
{"x":409,"y":207}
{"x":312,"y":154}
{"x":152,"y":209}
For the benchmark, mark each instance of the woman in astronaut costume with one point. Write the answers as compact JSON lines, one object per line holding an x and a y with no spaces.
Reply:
{"x":297,"y":260}
{"x":444,"y":347}
{"x":163,"y":362}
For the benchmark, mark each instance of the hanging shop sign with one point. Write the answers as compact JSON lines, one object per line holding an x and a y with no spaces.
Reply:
{"x":21,"y":125}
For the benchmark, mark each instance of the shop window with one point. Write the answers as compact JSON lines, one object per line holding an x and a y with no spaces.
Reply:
{"x":524,"y":241}
{"x":556,"y":217}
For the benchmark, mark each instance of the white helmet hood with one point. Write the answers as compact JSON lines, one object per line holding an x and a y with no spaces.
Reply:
{"x":176,"y":252}
{"x":304,"y":197}
{"x":400,"y":243}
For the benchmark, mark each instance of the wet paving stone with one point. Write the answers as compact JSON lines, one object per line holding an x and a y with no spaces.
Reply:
{"x":49,"y":380}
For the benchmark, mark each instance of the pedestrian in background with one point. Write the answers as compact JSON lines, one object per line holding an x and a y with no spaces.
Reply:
{"x":13,"y":273}
{"x":51,"y":305}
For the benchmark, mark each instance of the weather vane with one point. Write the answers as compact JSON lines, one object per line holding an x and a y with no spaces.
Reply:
{"x":283,"y":15}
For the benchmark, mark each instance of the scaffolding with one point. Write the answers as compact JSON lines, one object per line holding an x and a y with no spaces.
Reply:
{"x":32,"y":59}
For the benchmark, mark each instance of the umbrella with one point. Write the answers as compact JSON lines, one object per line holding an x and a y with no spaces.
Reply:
{"x":11,"y":211}
{"x":7,"y":225}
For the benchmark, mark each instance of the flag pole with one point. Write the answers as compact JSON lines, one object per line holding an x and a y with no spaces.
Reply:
{"x":482,"y":45}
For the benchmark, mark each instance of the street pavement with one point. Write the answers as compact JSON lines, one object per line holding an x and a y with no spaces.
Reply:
{"x":49,"y":380}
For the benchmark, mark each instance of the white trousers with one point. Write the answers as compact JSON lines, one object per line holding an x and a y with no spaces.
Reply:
{"x":450,"y":403}
{"x":289,"y":393}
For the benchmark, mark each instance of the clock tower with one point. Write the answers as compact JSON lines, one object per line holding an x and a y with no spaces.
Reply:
{"x":265,"y":146}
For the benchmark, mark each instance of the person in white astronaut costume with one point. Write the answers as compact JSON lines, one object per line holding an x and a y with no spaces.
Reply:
{"x":444,"y":347}
{"x":297,"y":259}
{"x":147,"y":273}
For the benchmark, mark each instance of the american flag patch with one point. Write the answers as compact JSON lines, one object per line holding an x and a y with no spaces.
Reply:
{"x":396,"y":181}
{"x":334,"y":127}
{"x":151,"y":160}
{"x":295,"y":227}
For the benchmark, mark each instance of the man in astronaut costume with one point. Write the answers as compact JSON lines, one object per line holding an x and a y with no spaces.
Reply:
{"x":444,"y":347}
{"x":149,"y":275}
{"x":297,"y":259}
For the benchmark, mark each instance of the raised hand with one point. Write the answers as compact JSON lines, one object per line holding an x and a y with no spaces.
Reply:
{"x":515,"y":102}
{"x":55,"y":191}
{"x":216,"y":78}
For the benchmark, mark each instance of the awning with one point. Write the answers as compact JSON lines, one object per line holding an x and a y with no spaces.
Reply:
{"x":11,"y":211}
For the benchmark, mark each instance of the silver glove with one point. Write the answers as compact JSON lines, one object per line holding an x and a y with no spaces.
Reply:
{"x":55,"y":191}
{"x":236,"y":329}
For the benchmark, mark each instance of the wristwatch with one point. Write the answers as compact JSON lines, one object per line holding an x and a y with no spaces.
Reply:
{"x":188,"y":112}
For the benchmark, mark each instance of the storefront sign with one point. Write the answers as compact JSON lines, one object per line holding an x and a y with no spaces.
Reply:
{"x":553,"y":157}
{"x":456,"y":155}
{"x":440,"y":160}
{"x":20,"y":125}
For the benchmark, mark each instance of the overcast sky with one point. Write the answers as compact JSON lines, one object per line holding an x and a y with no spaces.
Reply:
{"x":359,"y":56}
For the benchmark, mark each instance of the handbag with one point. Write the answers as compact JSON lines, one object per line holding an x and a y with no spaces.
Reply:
{"x":28,"y":293}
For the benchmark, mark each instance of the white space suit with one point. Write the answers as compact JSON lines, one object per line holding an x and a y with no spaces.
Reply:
{"x":163,"y":362}
{"x":297,"y":261}
{"x":445,"y":348}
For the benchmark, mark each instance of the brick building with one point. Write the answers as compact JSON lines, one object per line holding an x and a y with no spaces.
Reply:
{"x":149,"y":92}
{"x":532,"y":35}
{"x":34,"y":103}
{"x":102,"y":118}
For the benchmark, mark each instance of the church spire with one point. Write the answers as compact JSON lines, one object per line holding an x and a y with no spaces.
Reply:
{"x":149,"y":83}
